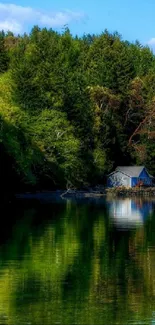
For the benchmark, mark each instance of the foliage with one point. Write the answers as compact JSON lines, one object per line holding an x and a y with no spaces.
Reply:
{"x":42,"y":147}
{"x":4,"y":57}
{"x":73,"y":108}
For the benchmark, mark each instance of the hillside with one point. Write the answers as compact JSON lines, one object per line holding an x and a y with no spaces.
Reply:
{"x":71,"y":108}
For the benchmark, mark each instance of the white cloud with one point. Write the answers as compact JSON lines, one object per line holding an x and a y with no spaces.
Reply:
{"x":151,"y":44}
{"x":60,"y":18}
{"x":151,"y":41}
{"x":10,"y":25}
{"x":16,"y":18}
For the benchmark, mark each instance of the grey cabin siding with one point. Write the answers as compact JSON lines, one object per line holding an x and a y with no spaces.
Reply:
{"x":119,"y":179}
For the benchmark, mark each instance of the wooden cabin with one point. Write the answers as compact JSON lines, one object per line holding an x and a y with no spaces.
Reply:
{"x":130,"y":176}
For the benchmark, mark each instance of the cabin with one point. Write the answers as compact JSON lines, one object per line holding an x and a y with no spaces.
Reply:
{"x":129,"y":176}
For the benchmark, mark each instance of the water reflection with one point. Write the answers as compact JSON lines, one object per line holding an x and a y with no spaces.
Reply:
{"x":67,"y":263}
{"x":129,"y":212}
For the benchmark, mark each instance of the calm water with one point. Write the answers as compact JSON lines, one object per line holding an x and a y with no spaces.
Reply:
{"x":78,"y":262}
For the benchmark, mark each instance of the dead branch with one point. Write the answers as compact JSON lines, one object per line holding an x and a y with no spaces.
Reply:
{"x":137,"y":129}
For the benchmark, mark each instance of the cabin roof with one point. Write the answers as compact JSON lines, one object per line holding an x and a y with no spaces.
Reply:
{"x":132,"y":171}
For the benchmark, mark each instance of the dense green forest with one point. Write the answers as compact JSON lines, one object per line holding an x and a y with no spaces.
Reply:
{"x":73,"y":108}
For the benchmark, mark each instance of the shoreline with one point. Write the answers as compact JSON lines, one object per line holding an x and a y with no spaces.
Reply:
{"x":106,"y":192}
{"x":59,"y":194}
{"x":130,"y":192}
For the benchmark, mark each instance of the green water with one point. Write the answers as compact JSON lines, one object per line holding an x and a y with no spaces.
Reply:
{"x":78,"y":262}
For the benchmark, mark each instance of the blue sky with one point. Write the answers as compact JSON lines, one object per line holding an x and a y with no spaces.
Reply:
{"x":134,"y":19}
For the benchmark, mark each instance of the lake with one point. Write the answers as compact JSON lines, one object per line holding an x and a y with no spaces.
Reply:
{"x":78,"y":262}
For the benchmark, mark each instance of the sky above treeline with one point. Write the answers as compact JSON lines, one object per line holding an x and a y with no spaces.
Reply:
{"x":133,"y":19}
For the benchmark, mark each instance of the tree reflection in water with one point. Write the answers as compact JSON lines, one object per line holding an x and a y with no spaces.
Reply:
{"x":79,"y":263}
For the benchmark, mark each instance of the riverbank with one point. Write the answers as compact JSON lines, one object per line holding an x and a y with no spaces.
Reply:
{"x":92,"y":193}
{"x":130,"y":192}
{"x":49,"y":195}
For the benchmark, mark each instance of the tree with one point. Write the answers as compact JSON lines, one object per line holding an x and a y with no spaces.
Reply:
{"x":109,"y":63}
{"x":4,"y":59}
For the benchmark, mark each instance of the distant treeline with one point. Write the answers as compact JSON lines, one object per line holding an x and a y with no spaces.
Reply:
{"x":73,"y":108}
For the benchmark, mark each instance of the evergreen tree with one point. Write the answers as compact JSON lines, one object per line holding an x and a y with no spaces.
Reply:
{"x":4,"y":58}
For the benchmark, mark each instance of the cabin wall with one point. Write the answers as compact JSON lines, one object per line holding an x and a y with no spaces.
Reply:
{"x":144,"y":174}
{"x":145,"y":178}
{"x":134,"y":181}
{"x":118,"y":179}
{"x":146,"y":181}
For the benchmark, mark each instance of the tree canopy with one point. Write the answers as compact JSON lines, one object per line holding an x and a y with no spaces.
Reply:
{"x":72,"y":108}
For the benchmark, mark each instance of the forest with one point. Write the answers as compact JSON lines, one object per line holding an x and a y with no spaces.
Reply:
{"x":73,"y":108}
